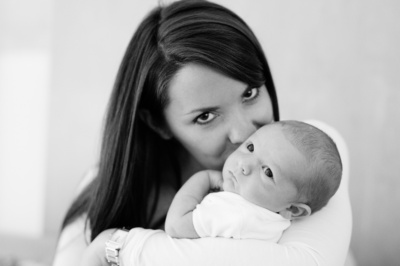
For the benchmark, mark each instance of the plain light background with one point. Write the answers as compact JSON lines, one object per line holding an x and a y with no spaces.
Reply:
{"x":336,"y":60}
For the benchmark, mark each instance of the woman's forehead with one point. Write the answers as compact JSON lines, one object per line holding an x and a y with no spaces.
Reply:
{"x":196,"y":86}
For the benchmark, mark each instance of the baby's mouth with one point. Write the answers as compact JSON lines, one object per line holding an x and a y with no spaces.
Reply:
{"x":233,"y":175}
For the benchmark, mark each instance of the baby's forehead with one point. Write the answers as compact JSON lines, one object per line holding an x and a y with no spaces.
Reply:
{"x":272,"y":140}
{"x":274,"y":137}
{"x":271,"y":131}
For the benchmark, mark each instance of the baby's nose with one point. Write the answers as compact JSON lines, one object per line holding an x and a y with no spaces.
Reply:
{"x":245,"y":171}
{"x":246,"y":167}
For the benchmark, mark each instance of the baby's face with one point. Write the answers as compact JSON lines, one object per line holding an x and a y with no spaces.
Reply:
{"x":261,"y":170}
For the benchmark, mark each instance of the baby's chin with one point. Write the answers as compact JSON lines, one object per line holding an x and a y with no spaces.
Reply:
{"x":228,"y":186}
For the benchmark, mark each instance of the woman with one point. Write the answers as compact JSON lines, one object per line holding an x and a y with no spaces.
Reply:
{"x":194,"y":84}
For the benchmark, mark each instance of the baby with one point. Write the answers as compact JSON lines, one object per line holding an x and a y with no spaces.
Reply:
{"x":285,"y":170}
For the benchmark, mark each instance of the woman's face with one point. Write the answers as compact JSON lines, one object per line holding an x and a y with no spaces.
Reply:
{"x":211,"y":114}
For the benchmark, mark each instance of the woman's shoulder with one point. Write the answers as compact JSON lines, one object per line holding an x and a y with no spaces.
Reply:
{"x":88,"y":177}
{"x":74,"y":238}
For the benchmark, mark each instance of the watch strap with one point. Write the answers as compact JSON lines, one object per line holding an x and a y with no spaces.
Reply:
{"x":114,"y":245}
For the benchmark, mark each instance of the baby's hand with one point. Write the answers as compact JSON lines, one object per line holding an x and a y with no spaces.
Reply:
{"x":216,"y":180}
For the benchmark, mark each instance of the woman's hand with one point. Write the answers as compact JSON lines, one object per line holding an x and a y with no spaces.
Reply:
{"x":94,"y":254}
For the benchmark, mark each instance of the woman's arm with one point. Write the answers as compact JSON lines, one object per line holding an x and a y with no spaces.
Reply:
{"x":321,"y":239}
{"x":71,"y":244}
{"x":73,"y":239}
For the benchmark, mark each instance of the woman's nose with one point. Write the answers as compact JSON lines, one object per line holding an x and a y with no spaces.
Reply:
{"x":240,"y":129}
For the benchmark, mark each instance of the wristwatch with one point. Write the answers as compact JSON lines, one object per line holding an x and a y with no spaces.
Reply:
{"x":114,"y":245}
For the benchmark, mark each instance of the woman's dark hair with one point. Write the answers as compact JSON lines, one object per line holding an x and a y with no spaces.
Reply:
{"x":130,"y":167}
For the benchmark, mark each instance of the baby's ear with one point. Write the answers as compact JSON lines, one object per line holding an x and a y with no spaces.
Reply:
{"x":296,"y":210}
{"x":148,"y":119}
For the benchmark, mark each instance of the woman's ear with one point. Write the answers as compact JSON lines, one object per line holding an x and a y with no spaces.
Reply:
{"x":148,"y":119}
{"x":296,"y":210}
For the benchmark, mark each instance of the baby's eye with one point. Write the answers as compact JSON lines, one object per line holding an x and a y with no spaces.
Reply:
{"x":268,"y":172}
{"x":250,"y":147}
{"x":205,"y":118}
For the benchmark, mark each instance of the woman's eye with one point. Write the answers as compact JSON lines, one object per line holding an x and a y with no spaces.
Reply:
{"x":251,"y":94}
{"x":204,"y":118}
{"x":268,"y":172}
{"x":250,"y":147}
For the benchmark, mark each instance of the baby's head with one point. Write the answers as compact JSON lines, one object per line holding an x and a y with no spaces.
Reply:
{"x":288,"y":167}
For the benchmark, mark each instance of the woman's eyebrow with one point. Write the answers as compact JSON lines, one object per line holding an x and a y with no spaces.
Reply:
{"x":203,"y":109}
{"x":214,"y":108}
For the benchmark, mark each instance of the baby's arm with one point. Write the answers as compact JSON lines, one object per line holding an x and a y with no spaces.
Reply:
{"x":179,"y":222}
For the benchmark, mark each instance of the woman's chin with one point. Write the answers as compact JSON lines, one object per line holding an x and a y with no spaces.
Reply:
{"x":215,"y":162}
{"x":214,"y":165}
